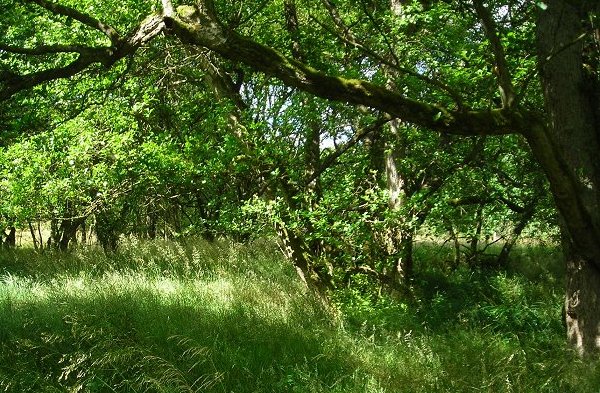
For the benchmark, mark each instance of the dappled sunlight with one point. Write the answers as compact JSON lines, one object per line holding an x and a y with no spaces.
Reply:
{"x":217,"y":293}
{"x":78,"y":286}
{"x":510,"y":288}
{"x":166,"y":287}
{"x":246,"y":324}
{"x":22,"y":290}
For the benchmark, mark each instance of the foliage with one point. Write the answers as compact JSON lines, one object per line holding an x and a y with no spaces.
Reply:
{"x":231,"y":121}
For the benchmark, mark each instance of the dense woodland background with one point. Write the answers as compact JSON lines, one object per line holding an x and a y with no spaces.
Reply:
{"x":411,"y":181}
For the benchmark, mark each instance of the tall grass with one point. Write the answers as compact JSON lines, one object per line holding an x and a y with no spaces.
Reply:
{"x":221,"y":317}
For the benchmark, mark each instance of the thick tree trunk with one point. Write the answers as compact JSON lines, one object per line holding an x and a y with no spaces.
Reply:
{"x":569,"y":154}
{"x":296,"y":250}
{"x":582,"y":304}
{"x":68,"y":231}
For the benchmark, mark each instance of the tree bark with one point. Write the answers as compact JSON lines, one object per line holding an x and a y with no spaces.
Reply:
{"x":582,"y":304}
{"x":569,"y":154}
{"x":33,"y":237}
{"x":68,"y":231}
{"x":400,"y":239}
{"x":10,"y":240}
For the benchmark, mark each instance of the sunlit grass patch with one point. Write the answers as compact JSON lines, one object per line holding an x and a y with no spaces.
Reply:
{"x":203,"y":317}
{"x":127,"y":322}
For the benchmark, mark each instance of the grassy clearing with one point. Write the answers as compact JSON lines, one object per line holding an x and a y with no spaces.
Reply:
{"x":164,"y":317}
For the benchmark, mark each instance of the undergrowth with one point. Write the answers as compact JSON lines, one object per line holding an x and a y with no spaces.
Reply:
{"x":221,"y":317}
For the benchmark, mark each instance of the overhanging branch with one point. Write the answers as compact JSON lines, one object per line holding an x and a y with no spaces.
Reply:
{"x":199,"y":26}
{"x":46,"y":49}
{"x":11,"y":83}
{"x":86,"y":19}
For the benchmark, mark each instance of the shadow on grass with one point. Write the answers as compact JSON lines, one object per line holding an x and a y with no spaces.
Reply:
{"x":137,"y":340}
{"x":153,"y":321}
{"x":523,"y":298}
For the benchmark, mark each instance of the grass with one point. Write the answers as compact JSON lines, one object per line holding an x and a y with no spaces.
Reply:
{"x":200,"y":317}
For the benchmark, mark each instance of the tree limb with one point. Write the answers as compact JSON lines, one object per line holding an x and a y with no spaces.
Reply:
{"x":507,"y":94}
{"x":346,"y":36}
{"x":167,"y":8}
{"x":46,"y":49}
{"x":198,"y":25}
{"x":86,"y":19}
{"x":201,"y":27}
{"x":11,"y":83}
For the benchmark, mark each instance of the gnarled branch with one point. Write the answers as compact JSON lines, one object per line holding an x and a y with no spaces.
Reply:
{"x":199,"y":26}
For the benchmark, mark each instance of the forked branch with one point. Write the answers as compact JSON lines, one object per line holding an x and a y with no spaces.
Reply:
{"x":11,"y":82}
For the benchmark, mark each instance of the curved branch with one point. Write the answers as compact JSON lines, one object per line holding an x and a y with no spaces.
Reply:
{"x":567,"y":194}
{"x":86,"y":19}
{"x":199,"y":26}
{"x":11,"y":83}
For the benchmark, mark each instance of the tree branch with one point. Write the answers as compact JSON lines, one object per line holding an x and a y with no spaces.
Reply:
{"x":86,"y":19}
{"x":346,"y":36}
{"x":198,"y":25}
{"x":11,"y":83}
{"x":46,"y":49}
{"x":201,"y":27}
{"x":167,"y":8}
{"x":507,"y":94}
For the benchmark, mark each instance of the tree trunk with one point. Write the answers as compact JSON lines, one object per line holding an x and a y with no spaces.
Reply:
{"x":582,"y":304}
{"x":403,"y":268}
{"x":400,"y":238}
{"x":526,"y":217}
{"x":83,"y":233}
{"x":68,"y":231}
{"x":33,"y":237}
{"x":473,"y":258}
{"x":569,"y":154}
{"x":11,"y":239}
{"x":296,"y":250}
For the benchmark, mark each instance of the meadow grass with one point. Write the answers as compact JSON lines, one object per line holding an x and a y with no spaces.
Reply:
{"x":222,"y":317}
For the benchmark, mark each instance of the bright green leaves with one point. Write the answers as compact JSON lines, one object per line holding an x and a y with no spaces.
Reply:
{"x":156,"y":138}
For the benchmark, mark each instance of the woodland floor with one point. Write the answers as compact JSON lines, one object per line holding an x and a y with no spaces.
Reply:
{"x":199,"y":317}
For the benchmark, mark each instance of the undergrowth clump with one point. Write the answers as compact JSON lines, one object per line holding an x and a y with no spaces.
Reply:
{"x":222,"y":317}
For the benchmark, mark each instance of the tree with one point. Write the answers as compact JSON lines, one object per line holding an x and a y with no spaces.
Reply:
{"x":563,"y":138}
